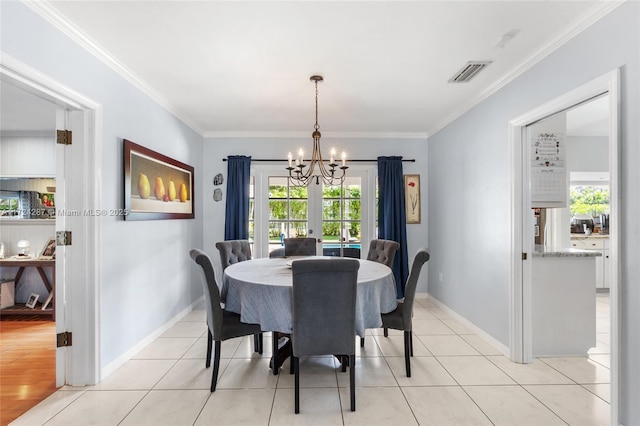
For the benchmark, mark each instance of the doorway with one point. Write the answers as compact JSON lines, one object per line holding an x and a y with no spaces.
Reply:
{"x":77,"y":189}
{"x":29,"y":172}
{"x":522,"y":220}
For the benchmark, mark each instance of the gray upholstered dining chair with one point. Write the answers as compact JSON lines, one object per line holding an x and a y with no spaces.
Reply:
{"x":323,"y":314}
{"x":222,"y":324}
{"x":279,"y":252}
{"x":382,"y":251}
{"x":300,"y":247}
{"x":233,"y":251}
{"x":400,"y":318}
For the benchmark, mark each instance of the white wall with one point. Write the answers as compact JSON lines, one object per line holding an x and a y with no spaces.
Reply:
{"x":147,"y":276}
{"x":217,"y":149}
{"x":27,"y":156}
{"x":587,"y":154}
{"x":469,"y":194}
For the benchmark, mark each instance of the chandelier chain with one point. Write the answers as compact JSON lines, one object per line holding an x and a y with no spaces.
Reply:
{"x":317,"y":126}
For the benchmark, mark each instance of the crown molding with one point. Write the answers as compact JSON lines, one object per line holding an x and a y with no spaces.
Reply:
{"x":55,"y":18}
{"x":325,"y":135}
{"x":593,"y":15}
{"x":59,"y":21}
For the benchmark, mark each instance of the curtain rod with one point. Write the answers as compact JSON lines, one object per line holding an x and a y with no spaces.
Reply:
{"x":258,"y":160}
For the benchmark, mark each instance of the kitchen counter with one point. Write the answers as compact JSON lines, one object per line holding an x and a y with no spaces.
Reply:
{"x":568,"y":252}
{"x":563,"y":311}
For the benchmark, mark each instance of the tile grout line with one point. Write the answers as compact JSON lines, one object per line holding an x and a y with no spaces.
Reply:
{"x":532,"y":395}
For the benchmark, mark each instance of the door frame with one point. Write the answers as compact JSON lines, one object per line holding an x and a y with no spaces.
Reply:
{"x":520,"y":333}
{"x":77,"y":300}
{"x":261,"y":174}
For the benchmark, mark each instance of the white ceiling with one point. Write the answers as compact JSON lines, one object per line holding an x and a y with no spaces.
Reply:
{"x":236,"y":67}
{"x":22,"y":111}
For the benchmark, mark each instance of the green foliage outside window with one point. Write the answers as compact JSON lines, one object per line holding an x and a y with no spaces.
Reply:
{"x":297,"y":214}
{"x":297,"y":209}
{"x":331,"y":212}
{"x":591,"y":200}
{"x":8,"y":206}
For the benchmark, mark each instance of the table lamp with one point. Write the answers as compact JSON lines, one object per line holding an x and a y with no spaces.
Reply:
{"x":23,"y":248}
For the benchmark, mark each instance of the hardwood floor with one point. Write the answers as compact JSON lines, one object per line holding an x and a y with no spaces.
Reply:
{"x":27,"y":365}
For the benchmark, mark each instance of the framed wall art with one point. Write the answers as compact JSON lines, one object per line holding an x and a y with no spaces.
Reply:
{"x":49,"y":250}
{"x":412,"y":197}
{"x":31,"y":302}
{"x":156,"y":186}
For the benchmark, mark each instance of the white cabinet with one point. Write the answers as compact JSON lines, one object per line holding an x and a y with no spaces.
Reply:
{"x":563,"y":308}
{"x":588,"y":243}
{"x":600,"y":244}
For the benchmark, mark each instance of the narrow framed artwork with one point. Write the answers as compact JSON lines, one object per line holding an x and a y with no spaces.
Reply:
{"x":49,"y":250}
{"x":412,"y":197}
{"x":31,"y":302}
{"x":156,"y":186}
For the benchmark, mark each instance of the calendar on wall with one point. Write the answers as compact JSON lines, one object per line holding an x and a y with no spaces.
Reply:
{"x":548,"y":170}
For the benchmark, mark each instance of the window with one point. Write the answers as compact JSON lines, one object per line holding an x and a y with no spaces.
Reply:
{"x":8,"y":203}
{"x":288,"y":211}
{"x":589,"y":199}
{"x":339,"y":217}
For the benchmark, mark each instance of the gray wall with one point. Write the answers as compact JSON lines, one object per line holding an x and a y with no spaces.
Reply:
{"x":469,"y":194}
{"x":146,"y":274}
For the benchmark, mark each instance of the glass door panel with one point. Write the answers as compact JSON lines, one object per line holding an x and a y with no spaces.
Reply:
{"x":341,"y":218}
{"x":334,"y":215}
{"x":288,"y":208}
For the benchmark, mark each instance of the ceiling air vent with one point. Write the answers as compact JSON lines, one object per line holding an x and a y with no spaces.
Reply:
{"x":468,"y":71}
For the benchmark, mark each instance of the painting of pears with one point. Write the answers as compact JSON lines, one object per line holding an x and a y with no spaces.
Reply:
{"x":156,"y":186}
{"x":144,"y":189}
{"x":164,"y":184}
{"x":159,"y":189}
{"x":172,"y":191}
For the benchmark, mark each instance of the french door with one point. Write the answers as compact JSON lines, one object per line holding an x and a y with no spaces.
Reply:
{"x":338,"y":217}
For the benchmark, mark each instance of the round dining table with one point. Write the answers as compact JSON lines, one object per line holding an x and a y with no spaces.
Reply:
{"x":260,"y":290}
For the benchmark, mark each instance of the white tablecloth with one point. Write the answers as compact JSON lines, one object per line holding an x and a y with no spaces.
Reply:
{"x":260,"y":291}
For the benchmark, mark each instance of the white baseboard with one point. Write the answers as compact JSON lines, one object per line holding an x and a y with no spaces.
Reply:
{"x":118,"y":362}
{"x":471,"y":326}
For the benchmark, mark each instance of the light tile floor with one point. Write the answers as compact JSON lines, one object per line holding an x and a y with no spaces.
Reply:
{"x":457,"y":379}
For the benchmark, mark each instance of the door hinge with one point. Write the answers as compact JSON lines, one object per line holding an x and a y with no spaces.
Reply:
{"x":63,"y":339}
{"x":63,"y":137}
{"x":63,"y":238}
{"x":524,"y":256}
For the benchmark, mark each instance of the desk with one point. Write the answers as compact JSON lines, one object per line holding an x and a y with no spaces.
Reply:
{"x":260,"y":291}
{"x":20,"y":308}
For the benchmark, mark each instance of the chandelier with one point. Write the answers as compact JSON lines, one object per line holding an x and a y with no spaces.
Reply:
{"x":316,"y":169}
